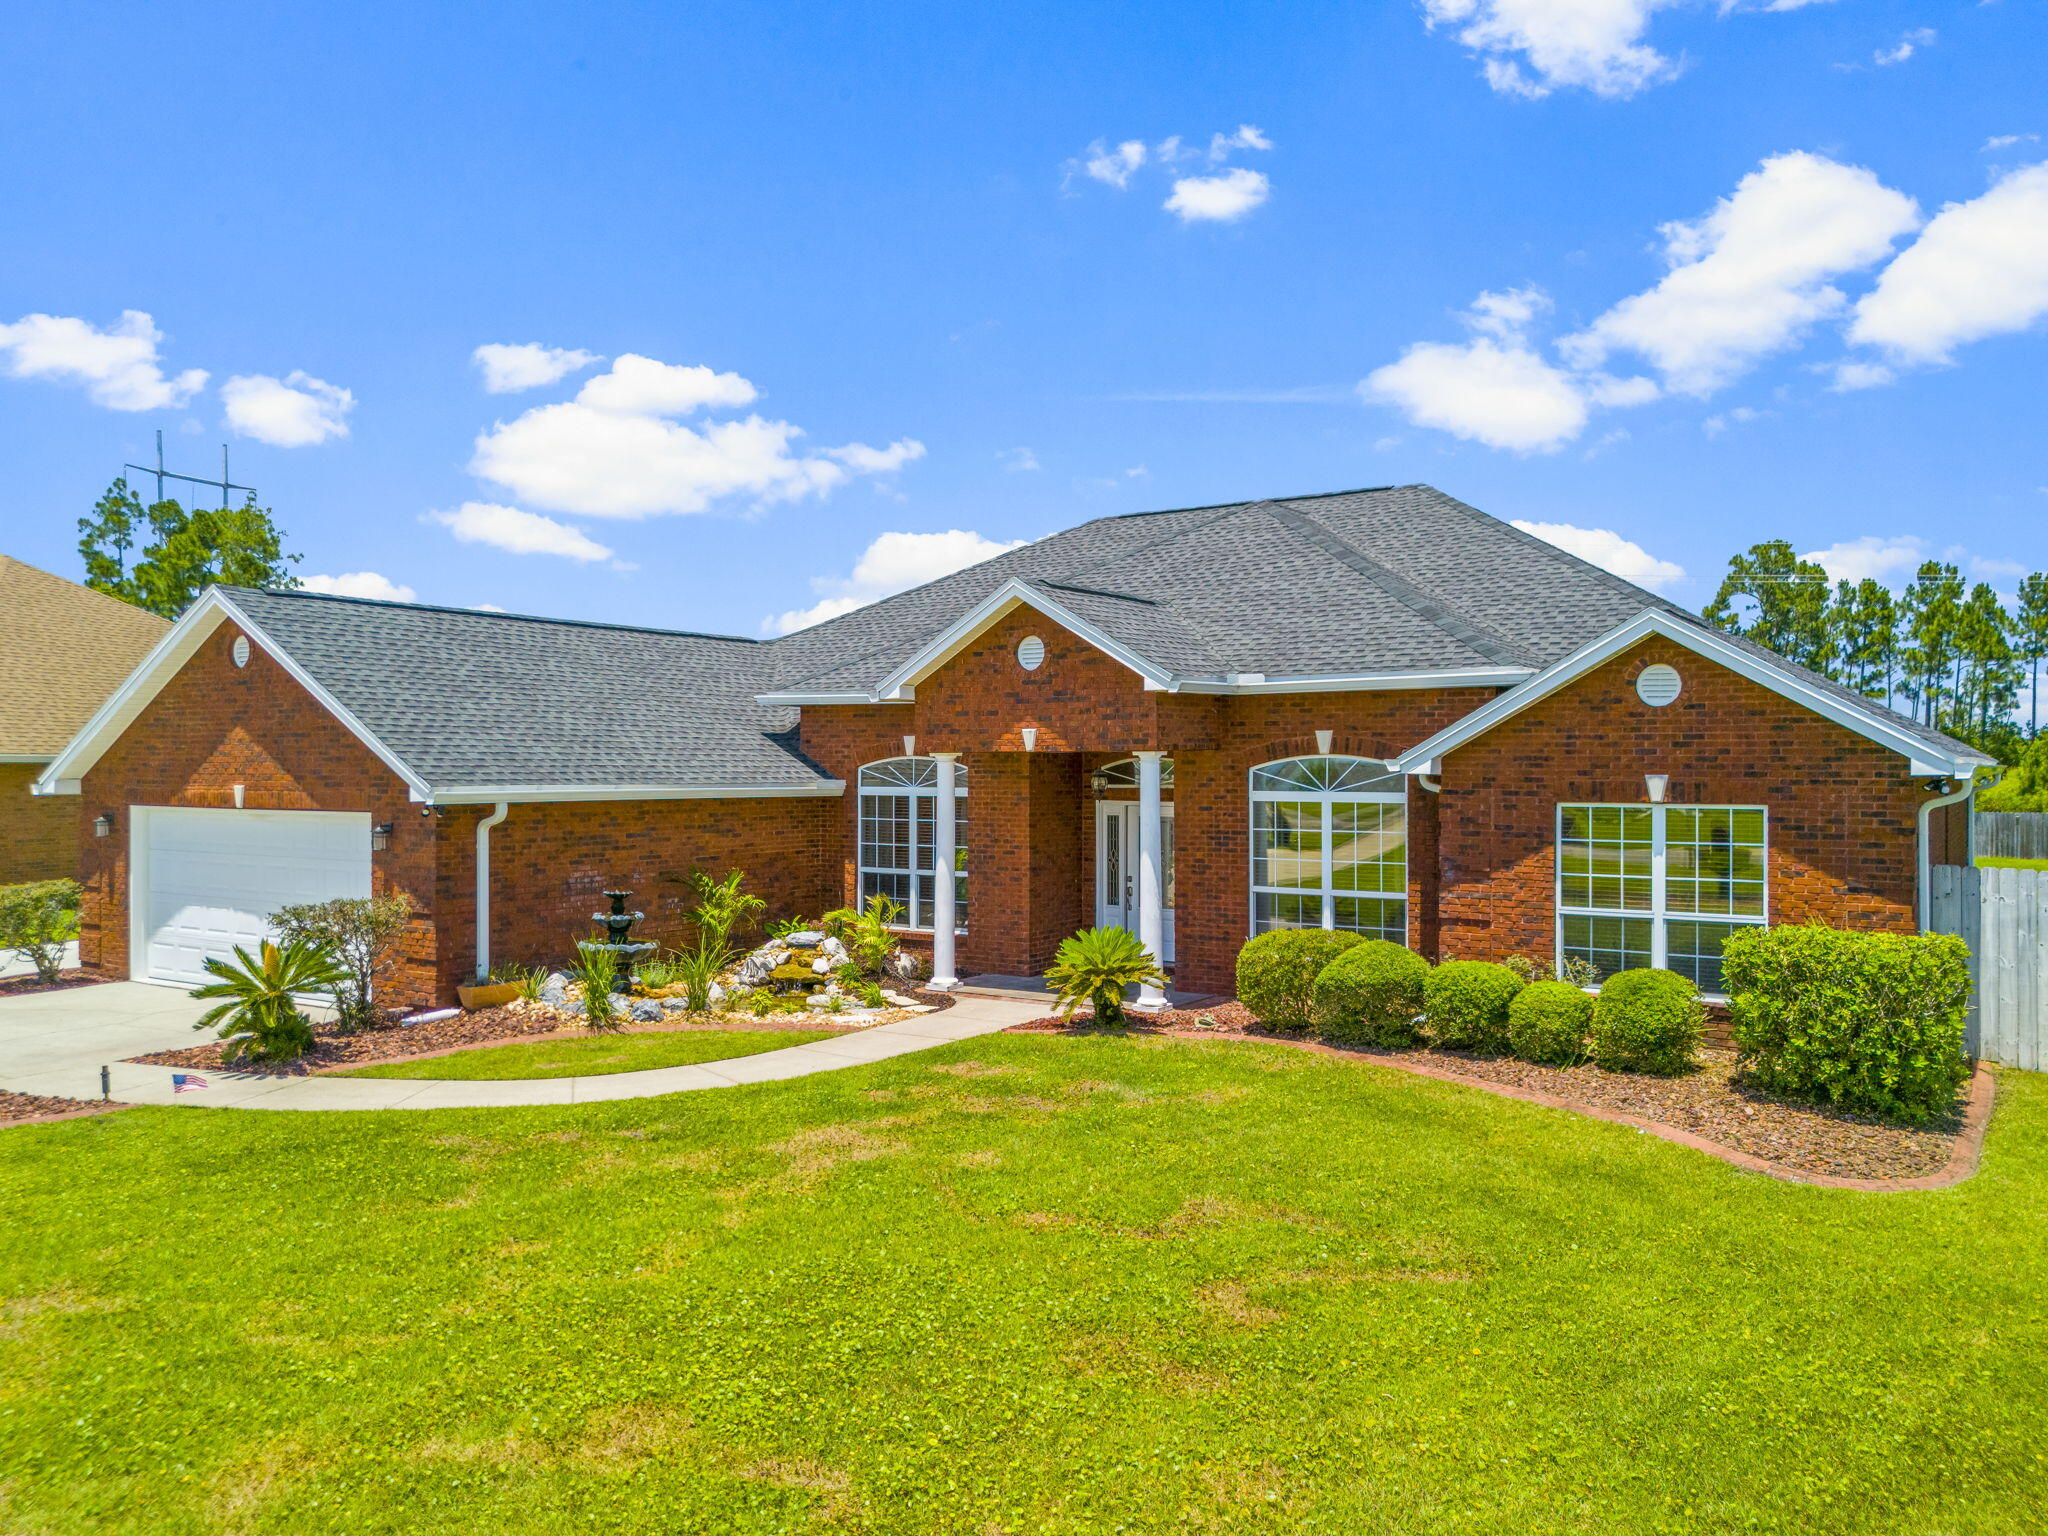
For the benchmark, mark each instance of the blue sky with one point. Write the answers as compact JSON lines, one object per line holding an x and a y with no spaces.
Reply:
{"x":890,"y":290}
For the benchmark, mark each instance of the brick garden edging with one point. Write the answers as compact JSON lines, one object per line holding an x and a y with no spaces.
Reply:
{"x":1962,"y":1162}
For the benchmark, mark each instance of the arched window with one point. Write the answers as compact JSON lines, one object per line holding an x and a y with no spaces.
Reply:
{"x":897,"y":799}
{"x":1330,"y":846}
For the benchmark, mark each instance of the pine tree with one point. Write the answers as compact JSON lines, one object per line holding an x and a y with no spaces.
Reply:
{"x":1864,"y":621}
{"x":1790,"y":598}
{"x":1929,"y":613}
{"x":1991,"y":672}
{"x":2030,"y":641}
{"x":189,"y":550}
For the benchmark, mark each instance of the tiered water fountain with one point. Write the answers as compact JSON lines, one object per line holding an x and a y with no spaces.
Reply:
{"x":616,"y":924}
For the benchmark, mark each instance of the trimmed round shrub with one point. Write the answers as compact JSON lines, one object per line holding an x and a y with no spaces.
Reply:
{"x":1872,"y":1022}
{"x":1277,"y":971}
{"x":1371,"y":995}
{"x":1647,"y":1020}
{"x":1548,"y":1021}
{"x":1466,"y":1005}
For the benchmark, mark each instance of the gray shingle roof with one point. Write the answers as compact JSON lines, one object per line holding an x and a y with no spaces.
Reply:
{"x":472,"y":699}
{"x":1402,"y":578}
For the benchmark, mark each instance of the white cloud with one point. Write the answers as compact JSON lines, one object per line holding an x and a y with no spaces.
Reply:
{"x":1502,"y":396}
{"x":1853,"y":375}
{"x":1018,"y":460}
{"x":614,"y":452}
{"x":894,"y":563}
{"x":360,"y":584}
{"x":1715,"y":425}
{"x":296,"y":411}
{"x":1873,"y":555}
{"x":1117,"y":166}
{"x":1911,"y":43}
{"x":118,"y":366}
{"x":517,"y":532}
{"x":2007,"y":141}
{"x":1223,"y":145}
{"x":640,"y":386}
{"x":1979,"y":269}
{"x":1610,"y":551}
{"x":1593,"y":44}
{"x":1222,"y":198}
{"x":509,"y":367}
{"x":1751,"y":276}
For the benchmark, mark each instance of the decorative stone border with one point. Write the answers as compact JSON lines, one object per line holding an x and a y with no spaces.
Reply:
{"x":1962,"y":1162}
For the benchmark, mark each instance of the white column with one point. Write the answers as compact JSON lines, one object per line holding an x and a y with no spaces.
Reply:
{"x":944,"y":977}
{"x":1151,"y":883}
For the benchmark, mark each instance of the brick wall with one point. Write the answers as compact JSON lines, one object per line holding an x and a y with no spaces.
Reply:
{"x":1842,"y":809}
{"x":38,"y":835}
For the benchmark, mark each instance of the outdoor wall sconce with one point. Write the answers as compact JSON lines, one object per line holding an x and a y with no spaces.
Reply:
{"x":380,"y":837}
{"x":103,"y":824}
{"x":1656,"y":784}
{"x":1098,"y":782}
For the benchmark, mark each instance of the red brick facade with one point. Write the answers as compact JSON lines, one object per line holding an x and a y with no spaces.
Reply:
{"x":38,"y":835}
{"x":1842,"y":810}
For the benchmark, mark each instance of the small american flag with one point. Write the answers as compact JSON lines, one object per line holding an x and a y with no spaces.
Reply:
{"x":187,"y":1082}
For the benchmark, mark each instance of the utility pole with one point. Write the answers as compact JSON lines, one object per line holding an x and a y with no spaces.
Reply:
{"x":223,"y":484}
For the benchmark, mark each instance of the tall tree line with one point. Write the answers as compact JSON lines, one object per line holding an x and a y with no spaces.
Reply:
{"x":1945,"y":652}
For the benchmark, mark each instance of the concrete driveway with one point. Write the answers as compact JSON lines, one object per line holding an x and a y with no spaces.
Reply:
{"x":56,"y":1042}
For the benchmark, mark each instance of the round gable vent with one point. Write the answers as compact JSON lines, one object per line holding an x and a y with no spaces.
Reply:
{"x":1031,"y":653}
{"x":241,"y":650}
{"x":1658,"y":685}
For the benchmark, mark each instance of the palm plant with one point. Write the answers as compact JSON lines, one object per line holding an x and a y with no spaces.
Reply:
{"x":1095,"y":966}
{"x":723,"y":907}
{"x":866,"y":931}
{"x":261,"y":1016}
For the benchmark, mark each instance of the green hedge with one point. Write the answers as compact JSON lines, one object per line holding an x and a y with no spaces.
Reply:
{"x":1277,"y":971}
{"x":1371,"y":994}
{"x":1648,"y":1020}
{"x":1466,"y":1003}
{"x":37,"y":920}
{"x":1869,"y":1021}
{"x":1549,"y":1021}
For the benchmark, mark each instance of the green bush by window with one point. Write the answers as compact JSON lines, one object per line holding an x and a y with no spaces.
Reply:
{"x":1466,"y":1003}
{"x":1647,"y":1020}
{"x":1869,"y":1021}
{"x":1371,"y":994}
{"x":1549,"y":1021}
{"x":1277,"y":971}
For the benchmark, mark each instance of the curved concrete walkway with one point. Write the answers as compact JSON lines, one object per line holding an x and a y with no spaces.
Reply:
{"x":134,"y":1083}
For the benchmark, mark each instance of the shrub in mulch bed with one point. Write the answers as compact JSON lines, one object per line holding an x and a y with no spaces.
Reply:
{"x":17,"y":1107}
{"x":21,"y":986}
{"x":392,"y":1040}
{"x":1712,"y":1102}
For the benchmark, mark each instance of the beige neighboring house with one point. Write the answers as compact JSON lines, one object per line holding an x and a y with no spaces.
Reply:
{"x":63,"y":649}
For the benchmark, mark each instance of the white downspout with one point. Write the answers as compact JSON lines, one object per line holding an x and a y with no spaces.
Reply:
{"x":1927,"y":810}
{"x":483,"y":887}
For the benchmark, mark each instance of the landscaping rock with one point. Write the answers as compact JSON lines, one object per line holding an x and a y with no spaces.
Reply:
{"x":833,"y":950}
{"x":555,"y":991}
{"x":647,"y":1010}
{"x":903,"y":965}
{"x":810,"y":938}
{"x":822,"y":965}
{"x":716,"y":995}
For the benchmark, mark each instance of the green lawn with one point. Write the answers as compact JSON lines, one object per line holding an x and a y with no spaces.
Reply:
{"x":1020,"y":1284}
{"x":2012,"y":863}
{"x":596,"y":1055}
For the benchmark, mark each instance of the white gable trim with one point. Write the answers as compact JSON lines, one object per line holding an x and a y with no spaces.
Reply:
{"x":1922,"y":754}
{"x":213,"y":609}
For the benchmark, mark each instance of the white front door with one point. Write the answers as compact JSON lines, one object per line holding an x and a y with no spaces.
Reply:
{"x":203,"y":881}
{"x":1116,"y":867}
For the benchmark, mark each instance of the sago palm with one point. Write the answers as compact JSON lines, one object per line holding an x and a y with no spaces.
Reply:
{"x":1095,"y":966}
{"x":261,"y":1016}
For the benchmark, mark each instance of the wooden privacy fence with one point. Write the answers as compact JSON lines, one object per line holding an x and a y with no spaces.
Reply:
{"x":2010,"y":834}
{"x":2002,"y":914}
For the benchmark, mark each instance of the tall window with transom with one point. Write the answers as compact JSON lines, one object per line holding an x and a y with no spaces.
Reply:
{"x":897,"y":801}
{"x":1330,"y":846}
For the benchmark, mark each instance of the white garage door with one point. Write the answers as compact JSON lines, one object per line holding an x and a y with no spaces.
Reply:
{"x":205,"y":881}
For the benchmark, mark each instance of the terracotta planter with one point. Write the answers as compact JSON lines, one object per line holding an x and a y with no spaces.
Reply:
{"x":488,"y":994}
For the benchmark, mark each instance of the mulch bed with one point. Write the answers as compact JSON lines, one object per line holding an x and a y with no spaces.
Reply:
{"x":392,"y":1040}
{"x":21,"y":986}
{"x":1712,"y":1103}
{"x":25,"y":1108}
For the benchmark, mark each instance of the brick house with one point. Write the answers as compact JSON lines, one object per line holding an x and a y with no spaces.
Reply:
{"x":1376,"y":710}
{"x":63,"y":649}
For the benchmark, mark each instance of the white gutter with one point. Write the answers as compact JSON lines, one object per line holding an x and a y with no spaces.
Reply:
{"x":1430,"y":782}
{"x":483,"y":888}
{"x":1927,"y":810}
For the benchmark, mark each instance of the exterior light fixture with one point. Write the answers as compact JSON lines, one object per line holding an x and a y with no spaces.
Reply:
{"x":1656,"y":784}
{"x":380,"y":837}
{"x":103,"y":824}
{"x":1098,"y":782}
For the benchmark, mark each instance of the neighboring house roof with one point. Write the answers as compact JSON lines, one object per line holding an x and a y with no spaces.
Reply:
{"x":63,"y":649}
{"x":470,"y":706}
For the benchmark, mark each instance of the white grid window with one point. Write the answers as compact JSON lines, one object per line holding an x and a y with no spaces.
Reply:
{"x":1329,"y":848}
{"x":897,"y":836}
{"x":1661,"y":885}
